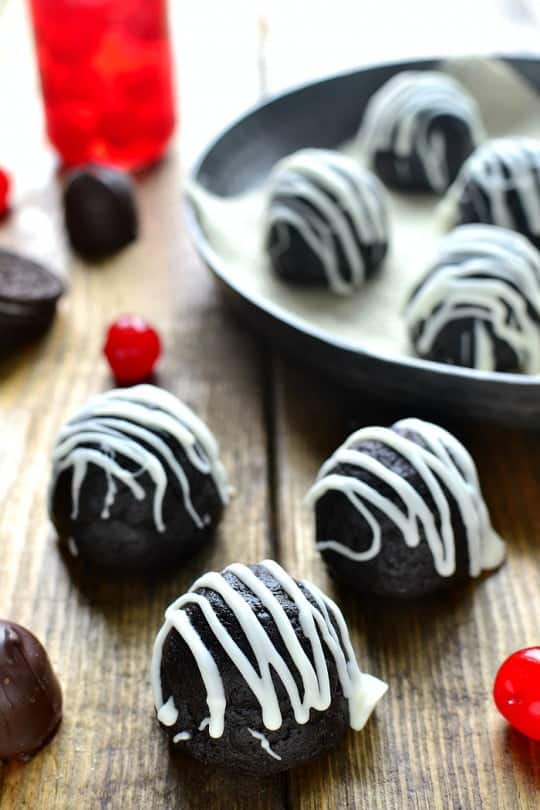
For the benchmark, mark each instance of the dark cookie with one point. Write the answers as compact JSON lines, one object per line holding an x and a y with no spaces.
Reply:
{"x":30,"y":697}
{"x":234,"y":671}
{"x":326,"y":222}
{"x":479,"y":304}
{"x":28,"y":296}
{"x":100,"y":211}
{"x":137,"y":483}
{"x":418,"y":129}
{"x":399,"y":512}
{"x":500,"y":185}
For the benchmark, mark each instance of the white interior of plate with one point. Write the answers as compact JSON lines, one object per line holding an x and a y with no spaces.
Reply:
{"x":371,"y":319}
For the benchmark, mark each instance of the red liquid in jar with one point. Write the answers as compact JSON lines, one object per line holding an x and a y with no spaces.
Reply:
{"x":106,"y":75}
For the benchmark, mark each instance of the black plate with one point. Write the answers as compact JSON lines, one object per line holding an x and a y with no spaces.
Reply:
{"x":325,"y":114}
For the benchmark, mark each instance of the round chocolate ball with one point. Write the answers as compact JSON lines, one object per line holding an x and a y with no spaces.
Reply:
{"x":99,"y":211}
{"x":326,"y":221}
{"x":137,"y":483}
{"x":399,"y":512}
{"x":30,"y":698}
{"x":255,"y":671}
{"x":479,"y":303}
{"x":500,"y":185}
{"x":418,"y":129}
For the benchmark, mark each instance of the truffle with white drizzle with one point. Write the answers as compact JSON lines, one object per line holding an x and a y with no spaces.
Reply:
{"x":255,"y":671}
{"x":479,"y":303}
{"x":399,"y":512}
{"x":500,"y":185}
{"x":418,"y":129}
{"x":137,"y":482}
{"x":326,"y":221}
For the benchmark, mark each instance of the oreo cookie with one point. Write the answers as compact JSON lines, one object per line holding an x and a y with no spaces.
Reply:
{"x":28,"y":296}
{"x":100,"y":211}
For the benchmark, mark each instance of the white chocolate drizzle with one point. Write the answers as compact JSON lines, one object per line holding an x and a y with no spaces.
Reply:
{"x":182,"y":736}
{"x":443,"y":462}
{"x":322,"y":624}
{"x":492,"y":171}
{"x":399,"y":115}
{"x":265,"y":744}
{"x":483,"y":275}
{"x":133,"y":424}
{"x":335,"y":205}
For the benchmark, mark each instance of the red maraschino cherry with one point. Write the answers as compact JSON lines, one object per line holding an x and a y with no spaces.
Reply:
{"x":517,"y":691}
{"x":5,"y":191}
{"x":132,"y":348}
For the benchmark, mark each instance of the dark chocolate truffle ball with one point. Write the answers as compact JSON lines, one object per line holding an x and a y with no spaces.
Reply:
{"x":137,"y":482}
{"x":500,"y":185}
{"x":100,"y":212}
{"x":29,"y":292}
{"x":417,"y":130}
{"x":255,"y":671}
{"x":30,"y":697}
{"x":399,"y":512}
{"x":479,"y":303}
{"x":326,"y":221}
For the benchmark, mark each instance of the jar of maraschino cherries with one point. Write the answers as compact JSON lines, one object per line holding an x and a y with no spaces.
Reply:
{"x":106,"y":76}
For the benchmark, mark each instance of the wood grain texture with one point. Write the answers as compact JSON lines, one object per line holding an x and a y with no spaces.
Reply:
{"x":436,"y":739}
{"x":110,"y":751}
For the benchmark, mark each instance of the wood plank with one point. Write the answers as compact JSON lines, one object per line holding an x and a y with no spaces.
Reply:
{"x":110,"y":752}
{"x":436,"y":740}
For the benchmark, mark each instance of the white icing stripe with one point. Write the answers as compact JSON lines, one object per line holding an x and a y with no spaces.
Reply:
{"x":490,"y":275}
{"x":317,"y":624}
{"x":133,"y":424}
{"x":443,"y":462}
{"x":497,"y":167}
{"x":340,"y":204}
{"x":265,"y":744}
{"x":399,"y":115}
{"x":182,"y":736}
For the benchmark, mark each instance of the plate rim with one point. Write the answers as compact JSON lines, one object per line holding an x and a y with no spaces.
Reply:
{"x":448,"y":371}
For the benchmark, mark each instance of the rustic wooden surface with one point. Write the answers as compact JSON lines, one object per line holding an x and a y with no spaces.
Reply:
{"x":436,"y":740}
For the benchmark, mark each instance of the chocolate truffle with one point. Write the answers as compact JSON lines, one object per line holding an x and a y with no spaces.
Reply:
{"x":99,"y":211}
{"x":30,"y":698}
{"x":255,"y":671}
{"x":326,"y":221}
{"x":29,"y":292}
{"x":500,"y":185}
{"x":417,"y":130}
{"x":399,"y":512}
{"x":479,"y":303}
{"x":136,"y":482}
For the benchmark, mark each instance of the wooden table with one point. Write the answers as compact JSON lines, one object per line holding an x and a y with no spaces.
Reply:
{"x":436,"y":740}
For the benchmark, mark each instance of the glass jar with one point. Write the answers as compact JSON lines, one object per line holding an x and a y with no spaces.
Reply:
{"x":106,"y":77}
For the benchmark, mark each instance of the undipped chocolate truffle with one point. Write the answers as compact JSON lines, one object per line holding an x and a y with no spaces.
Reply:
{"x":100,"y":211}
{"x":399,"y":512}
{"x":30,"y":697}
{"x":137,"y":482}
{"x":255,"y":671}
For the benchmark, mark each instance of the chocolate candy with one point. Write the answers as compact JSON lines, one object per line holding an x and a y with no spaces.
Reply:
{"x":399,"y":512}
{"x":28,"y":296}
{"x":255,"y":671}
{"x":30,"y":698}
{"x":100,"y":212}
